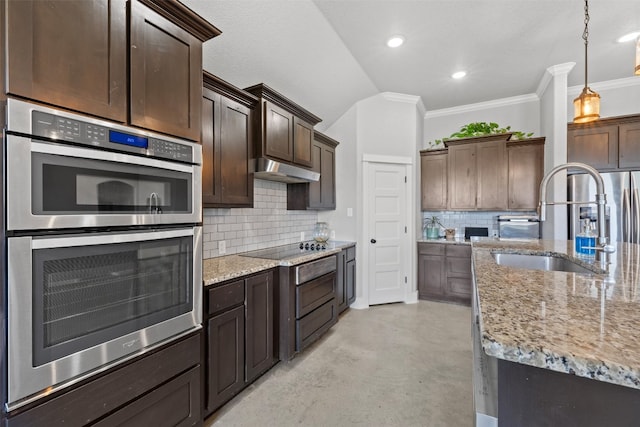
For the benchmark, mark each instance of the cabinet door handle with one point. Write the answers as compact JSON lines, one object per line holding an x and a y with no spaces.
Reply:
{"x":373,"y":240}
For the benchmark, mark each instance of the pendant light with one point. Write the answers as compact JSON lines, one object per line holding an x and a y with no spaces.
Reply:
{"x":587,"y":105}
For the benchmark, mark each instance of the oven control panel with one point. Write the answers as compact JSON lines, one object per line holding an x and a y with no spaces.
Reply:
{"x":58,"y":127}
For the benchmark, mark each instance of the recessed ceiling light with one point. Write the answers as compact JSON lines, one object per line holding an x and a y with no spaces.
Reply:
{"x":629,"y":37}
{"x":395,"y":41}
{"x":459,"y":74}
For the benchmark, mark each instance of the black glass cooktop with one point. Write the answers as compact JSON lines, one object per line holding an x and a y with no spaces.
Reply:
{"x":290,"y":251}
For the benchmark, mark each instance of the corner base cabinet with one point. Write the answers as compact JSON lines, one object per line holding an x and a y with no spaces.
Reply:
{"x":239,"y":333}
{"x":162,"y":388}
{"x":444,"y":272}
{"x":346,"y":278}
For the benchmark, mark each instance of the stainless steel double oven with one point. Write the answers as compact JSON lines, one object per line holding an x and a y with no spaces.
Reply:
{"x":103,"y":246}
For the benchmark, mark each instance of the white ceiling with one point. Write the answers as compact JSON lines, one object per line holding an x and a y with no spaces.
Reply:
{"x":328,"y":54}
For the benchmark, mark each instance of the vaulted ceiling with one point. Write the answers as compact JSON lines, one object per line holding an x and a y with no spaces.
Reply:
{"x":328,"y":54}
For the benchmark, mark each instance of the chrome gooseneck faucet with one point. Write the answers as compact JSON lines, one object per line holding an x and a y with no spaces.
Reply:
{"x":600,"y":202}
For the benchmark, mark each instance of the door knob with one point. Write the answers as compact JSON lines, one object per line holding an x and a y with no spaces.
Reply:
{"x":373,"y":240}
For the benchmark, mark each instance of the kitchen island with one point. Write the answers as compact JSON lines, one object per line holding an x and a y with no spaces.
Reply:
{"x":567,"y":344}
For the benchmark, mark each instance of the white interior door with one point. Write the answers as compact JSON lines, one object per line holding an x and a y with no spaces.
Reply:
{"x":387,"y":236}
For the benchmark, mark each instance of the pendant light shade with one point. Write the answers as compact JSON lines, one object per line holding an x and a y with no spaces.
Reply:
{"x":587,"y":106}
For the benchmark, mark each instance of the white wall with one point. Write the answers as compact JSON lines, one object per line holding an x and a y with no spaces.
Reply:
{"x":617,"y":97}
{"x":522,"y":113}
{"x":344,"y":130}
{"x":383,"y":125}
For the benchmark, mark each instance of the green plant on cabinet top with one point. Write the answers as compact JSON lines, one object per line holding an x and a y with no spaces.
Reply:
{"x":475,"y":129}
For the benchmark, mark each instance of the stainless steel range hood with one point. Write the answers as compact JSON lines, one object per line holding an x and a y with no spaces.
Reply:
{"x":275,"y":171}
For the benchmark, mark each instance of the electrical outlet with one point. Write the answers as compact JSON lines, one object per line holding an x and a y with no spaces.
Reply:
{"x":333,"y":234}
{"x":349,"y":211}
{"x":494,"y":233}
{"x":222,"y":247}
{"x":302,"y":236}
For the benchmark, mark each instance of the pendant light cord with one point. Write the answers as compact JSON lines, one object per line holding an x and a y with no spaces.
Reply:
{"x":585,"y":37}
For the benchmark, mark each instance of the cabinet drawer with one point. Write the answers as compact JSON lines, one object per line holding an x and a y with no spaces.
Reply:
{"x":459,"y":267}
{"x":459,"y":250}
{"x":226,"y":296}
{"x":84,"y":404}
{"x":351,"y":253}
{"x":310,"y":327}
{"x":176,"y":403}
{"x":431,"y":248}
{"x":311,"y":295}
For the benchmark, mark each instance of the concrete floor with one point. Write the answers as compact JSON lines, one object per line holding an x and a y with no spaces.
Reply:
{"x":390,"y":365}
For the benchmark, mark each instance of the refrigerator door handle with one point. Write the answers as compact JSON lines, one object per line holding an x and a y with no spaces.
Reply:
{"x":626,"y":216}
{"x":636,"y":216}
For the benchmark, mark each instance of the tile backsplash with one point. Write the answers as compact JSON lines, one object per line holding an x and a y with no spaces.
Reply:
{"x":460,"y":220}
{"x":268,"y":223}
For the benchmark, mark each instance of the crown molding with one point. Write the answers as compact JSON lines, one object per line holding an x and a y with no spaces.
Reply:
{"x":606,"y":85}
{"x":409,"y":99}
{"x":513,"y":100}
{"x":553,"y":71}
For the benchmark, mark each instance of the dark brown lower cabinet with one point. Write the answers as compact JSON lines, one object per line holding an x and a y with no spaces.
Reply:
{"x":351,"y":279}
{"x":530,"y":397}
{"x":225,"y":356}
{"x":346,"y":278}
{"x":259,"y":325}
{"x":444,"y":272}
{"x":162,"y":388}
{"x":240,"y":335}
{"x":175,"y":404}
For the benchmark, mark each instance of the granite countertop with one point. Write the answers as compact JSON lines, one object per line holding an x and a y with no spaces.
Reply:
{"x":585,"y":325}
{"x":220,"y":269}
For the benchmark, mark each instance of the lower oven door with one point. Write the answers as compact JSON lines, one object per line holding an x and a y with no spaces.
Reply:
{"x":78,"y":304}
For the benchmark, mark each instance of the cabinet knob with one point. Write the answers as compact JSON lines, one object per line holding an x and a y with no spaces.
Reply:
{"x":373,"y":240}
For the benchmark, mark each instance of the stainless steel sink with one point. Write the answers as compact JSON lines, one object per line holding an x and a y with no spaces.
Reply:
{"x":539,"y":262}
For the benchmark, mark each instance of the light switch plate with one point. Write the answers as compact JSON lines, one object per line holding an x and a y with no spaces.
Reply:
{"x":349,"y":211}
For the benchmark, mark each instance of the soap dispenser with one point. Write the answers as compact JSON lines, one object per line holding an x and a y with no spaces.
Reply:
{"x":586,"y":239}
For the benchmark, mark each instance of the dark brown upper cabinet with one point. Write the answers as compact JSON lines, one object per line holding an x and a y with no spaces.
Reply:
{"x":482,"y":174}
{"x":433,"y":179}
{"x":131,"y":61}
{"x":525,"y":161}
{"x":227,"y":170}
{"x":319,"y":195}
{"x":71,"y":54}
{"x":607,"y":144}
{"x":284,"y":130}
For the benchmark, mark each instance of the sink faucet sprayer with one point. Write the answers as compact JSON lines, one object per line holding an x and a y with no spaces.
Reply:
{"x":600,"y":202}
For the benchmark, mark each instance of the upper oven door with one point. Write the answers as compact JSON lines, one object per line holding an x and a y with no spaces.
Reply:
{"x":52,"y":185}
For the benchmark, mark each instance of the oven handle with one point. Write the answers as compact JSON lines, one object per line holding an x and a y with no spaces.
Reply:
{"x":84,"y":153}
{"x":103,"y":239}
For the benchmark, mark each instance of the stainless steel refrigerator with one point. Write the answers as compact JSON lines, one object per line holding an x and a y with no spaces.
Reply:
{"x":623,"y":204}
